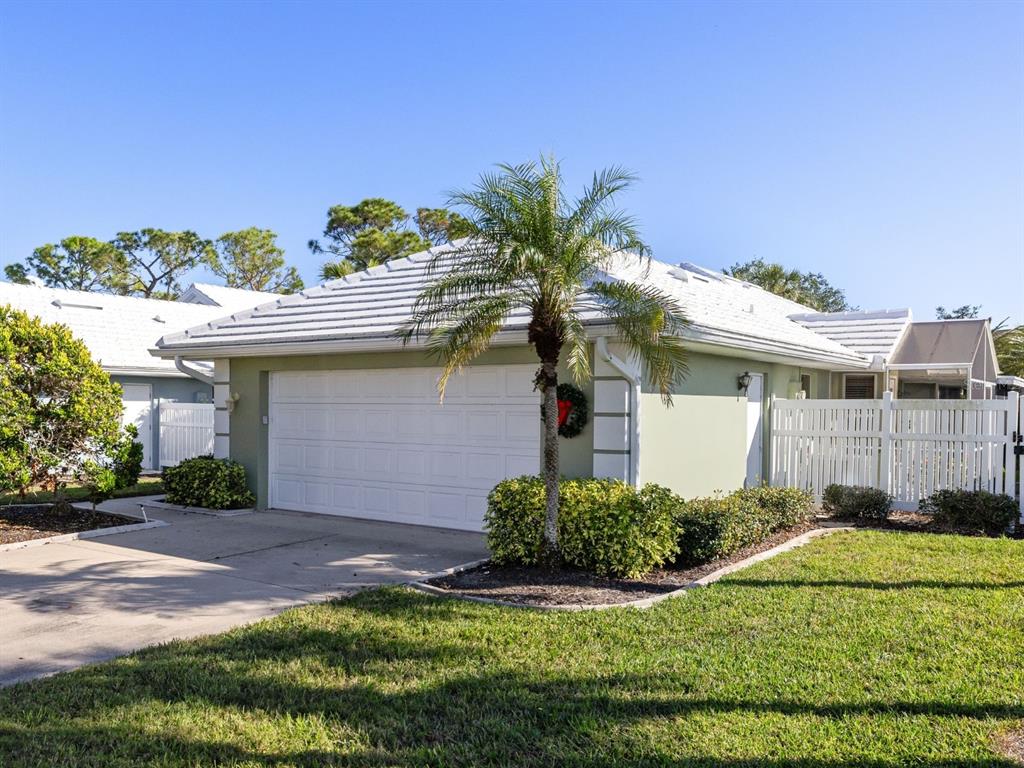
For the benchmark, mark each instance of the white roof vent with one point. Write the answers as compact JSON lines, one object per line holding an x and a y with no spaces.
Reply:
{"x":680,"y":274}
{"x":702,"y":272}
{"x":61,"y":304}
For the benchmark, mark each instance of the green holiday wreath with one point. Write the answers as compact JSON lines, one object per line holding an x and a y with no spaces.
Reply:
{"x":572,"y":410}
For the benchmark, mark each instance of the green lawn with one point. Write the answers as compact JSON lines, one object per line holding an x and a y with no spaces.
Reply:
{"x":862,"y":649}
{"x":146,"y":486}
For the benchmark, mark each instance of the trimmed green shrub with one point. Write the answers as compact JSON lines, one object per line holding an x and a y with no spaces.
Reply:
{"x":719,"y":526}
{"x":208,"y":482}
{"x":781,"y":507}
{"x":604,"y":526}
{"x":855,"y":501}
{"x":991,"y":513}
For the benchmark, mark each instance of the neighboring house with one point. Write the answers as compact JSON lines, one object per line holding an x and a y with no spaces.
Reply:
{"x":936,"y":359}
{"x":119,"y":330}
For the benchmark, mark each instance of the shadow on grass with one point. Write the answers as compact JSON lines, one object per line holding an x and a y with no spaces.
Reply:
{"x":431,"y":699}
{"x":137,"y":749}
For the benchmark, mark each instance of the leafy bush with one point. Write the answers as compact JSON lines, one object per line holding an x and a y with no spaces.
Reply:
{"x":208,"y":482}
{"x":855,"y":501}
{"x":59,"y":410}
{"x":716,"y":527}
{"x":604,"y":526}
{"x":101,"y":481}
{"x":126,"y":458}
{"x":119,"y":468}
{"x":781,"y":507}
{"x":991,"y":513}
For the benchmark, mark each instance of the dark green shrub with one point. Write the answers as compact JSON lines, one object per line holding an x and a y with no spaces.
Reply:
{"x":857,"y":502}
{"x":208,"y":482}
{"x":781,"y":507}
{"x":717,"y":527}
{"x":991,"y":513}
{"x":126,"y":458}
{"x":604,"y":526}
{"x":118,"y":468}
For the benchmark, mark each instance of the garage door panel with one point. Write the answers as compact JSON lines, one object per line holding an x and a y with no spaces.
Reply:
{"x":522,"y":426}
{"x":347,"y":422}
{"x":411,"y":465}
{"x":483,"y":468}
{"x":413,"y":424}
{"x":346,"y":497}
{"x":519,"y":386}
{"x":379,"y":444}
{"x":446,"y":425}
{"x":520,"y":465}
{"x":316,"y":494}
{"x":317,"y":457}
{"x":446,"y":466}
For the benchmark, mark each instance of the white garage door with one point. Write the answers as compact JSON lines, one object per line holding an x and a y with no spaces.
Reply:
{"x":378,"y":444}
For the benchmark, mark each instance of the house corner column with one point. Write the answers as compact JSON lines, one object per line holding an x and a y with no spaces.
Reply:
{"x":614,"y":420}
{"x":221,"y":413}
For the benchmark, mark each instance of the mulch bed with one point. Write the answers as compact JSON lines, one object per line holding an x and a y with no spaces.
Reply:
{"x":915,"y":522}
{"x":38,"y":521}
{"x":527,"y":585}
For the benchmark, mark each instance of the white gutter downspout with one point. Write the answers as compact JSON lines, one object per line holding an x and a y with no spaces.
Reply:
{"x":195,"y":374}
{"x":601,"y":347}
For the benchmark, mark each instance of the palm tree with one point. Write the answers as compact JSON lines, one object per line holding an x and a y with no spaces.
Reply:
{"x":1009,"y":343}
{"x":533,"y":252}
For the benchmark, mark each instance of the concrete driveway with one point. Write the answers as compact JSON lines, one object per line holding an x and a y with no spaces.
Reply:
{"x":63,"y":605}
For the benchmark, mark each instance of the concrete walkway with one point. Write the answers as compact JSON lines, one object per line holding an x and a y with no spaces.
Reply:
{"x":67,"y":604}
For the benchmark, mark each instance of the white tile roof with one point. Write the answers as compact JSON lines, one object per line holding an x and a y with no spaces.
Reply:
{"x":232,"y":299}
{"x":118,"y":330}
{"x":869,"y":333}
{"x":367,"y":307}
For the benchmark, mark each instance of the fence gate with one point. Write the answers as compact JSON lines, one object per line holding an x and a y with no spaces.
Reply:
{"x":186,"y":431}
{"x":909,"y":448}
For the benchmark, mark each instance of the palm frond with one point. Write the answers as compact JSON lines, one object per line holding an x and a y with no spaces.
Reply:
{"x":650,"y":322}
{"x":467,"y":335}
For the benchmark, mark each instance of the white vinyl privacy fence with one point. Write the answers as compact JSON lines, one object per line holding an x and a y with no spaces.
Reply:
{"x":186,"y":431}
{"x":909,"y":448}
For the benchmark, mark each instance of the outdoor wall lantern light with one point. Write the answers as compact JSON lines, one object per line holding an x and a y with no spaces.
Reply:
{"x":231,"y":400}
{"x":743,"y":381}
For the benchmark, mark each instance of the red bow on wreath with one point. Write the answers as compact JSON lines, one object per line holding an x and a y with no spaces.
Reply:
{"x":564,"y":409}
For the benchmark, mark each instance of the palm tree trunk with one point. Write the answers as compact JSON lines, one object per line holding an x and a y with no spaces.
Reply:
{"x":551,"y":474}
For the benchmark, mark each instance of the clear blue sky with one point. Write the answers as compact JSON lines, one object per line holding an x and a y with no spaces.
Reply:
{"x":882,"y":144}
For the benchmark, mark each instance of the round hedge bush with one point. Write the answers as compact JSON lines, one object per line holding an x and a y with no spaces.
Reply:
{"x":208,"y":482}
{"x":604,"y":526}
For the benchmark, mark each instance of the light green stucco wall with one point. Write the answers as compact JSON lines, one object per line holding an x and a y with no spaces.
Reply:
{"x":698,"y":445}
{"x":250,"y":379}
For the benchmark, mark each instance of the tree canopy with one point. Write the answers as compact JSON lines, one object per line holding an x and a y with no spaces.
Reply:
{"x":59,"y":411}
{"x":76,"y":263}
{"x":251,"y":259}
{"x":963,"y":312}
{"x":376,"y":230}
{"x":808,"y":288}
{"x":156,"y":260}
{"x":531,"y":248}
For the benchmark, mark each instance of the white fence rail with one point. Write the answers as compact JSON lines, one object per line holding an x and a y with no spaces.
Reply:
{"x":909,"y":448}
{"x":186,"y":431}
